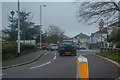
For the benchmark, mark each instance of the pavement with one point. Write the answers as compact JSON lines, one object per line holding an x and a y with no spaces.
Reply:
{"x":51,"y":65}
{"x":22,"y":59}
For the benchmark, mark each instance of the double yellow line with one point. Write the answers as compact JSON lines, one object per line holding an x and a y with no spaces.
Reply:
{"x":82,"y":68}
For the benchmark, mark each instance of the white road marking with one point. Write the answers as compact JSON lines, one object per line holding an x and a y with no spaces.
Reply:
{"x":40,"y":65}
{"x":54,"y":57}
{"x":1,"y":74}
{"x":45,"y":53}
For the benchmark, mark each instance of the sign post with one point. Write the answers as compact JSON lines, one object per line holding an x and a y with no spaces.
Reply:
{"x":101,"y":23}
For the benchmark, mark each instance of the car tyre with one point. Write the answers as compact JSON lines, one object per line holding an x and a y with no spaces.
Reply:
{"x":75,"y":54}
{"x":60,"y":54}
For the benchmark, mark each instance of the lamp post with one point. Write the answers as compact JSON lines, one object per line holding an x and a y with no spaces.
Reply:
{"x":12,"y":13}
{"x":40,"y":22}
{"x":18,"y":28}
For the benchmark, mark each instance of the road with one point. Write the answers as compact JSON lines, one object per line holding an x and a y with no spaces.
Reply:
{"x":51,"y":65}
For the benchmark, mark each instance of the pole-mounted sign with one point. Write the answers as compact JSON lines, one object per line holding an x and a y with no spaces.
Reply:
{"x":101,"y":23}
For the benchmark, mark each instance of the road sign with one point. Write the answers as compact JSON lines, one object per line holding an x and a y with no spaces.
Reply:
{"x":101,"y":28}
{"x":101,"y":23}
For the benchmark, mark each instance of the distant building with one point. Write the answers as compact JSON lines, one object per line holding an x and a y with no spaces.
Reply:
{"x":81,"y":38}
{"x":99,"y":38}
{"x":92,"y":38}
{"x":112,"y":26}
{"x":4,"y":34}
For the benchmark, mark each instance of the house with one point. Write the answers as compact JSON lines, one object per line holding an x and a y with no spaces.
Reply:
{"x":112,"y":26}
{"x":99,"y":39}
{"x":92,"y":38}
{"x":4,"y":34}
{"x":81,"y":38}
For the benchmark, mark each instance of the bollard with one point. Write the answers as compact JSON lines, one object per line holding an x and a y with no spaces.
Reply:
{"x":82,"y":68}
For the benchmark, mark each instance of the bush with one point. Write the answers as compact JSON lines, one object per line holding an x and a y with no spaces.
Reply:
{"x":9,"y":50}
{"x":26,"y":47}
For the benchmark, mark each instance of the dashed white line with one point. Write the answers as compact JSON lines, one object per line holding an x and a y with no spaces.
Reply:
{"x":54,"y":57}
{"x":45,"y":53}
{"x":1,"y":74}
{"x":40,"y":65}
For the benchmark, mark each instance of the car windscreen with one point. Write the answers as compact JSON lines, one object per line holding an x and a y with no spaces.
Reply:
{"x":68,"y":43}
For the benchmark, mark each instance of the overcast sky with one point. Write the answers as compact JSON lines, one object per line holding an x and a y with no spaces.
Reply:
{"x":61,"y":14}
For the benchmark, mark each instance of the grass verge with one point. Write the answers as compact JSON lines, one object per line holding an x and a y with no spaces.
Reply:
{"x":113,"y":56}
{"x":0,"y":42}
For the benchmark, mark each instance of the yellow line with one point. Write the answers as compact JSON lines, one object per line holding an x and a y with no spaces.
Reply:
{"x":83,"y":71}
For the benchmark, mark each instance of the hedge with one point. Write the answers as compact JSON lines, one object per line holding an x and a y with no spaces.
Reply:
{"x":9,"y":49}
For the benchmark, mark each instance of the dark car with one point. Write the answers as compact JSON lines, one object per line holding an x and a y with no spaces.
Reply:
{"x":67,"y":48}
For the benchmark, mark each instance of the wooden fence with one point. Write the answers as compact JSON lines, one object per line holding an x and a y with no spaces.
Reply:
{"x":111,"y":50}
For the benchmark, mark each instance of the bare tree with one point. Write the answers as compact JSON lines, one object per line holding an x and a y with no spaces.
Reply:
{"x":54,"y":34}
{"x":92,"y":12}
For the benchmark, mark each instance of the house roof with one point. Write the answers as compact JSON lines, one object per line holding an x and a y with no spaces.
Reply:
{"x":116,"y":24}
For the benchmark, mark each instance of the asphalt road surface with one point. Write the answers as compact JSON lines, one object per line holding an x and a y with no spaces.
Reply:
{"x":51,"y":65}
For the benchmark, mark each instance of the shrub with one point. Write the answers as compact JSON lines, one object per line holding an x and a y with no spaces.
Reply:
{"x":9,"y":49}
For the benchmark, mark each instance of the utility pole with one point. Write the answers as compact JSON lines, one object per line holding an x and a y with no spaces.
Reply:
{"x":18,"y":28}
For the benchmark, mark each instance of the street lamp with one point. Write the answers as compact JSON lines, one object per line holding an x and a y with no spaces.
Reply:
{"x":12,"y":13}
{"x":18,"y":28}
{"x":40,"y":22}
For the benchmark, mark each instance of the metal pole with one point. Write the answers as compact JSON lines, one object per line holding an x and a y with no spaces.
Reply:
{"x":40,"y":27}
{"x":18,"y":28}
{"x":101,"y":38}
{"x":12,"y":23}
{"x":119,"y":13}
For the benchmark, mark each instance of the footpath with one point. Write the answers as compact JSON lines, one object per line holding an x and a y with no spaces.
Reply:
{"x":23,"y":59}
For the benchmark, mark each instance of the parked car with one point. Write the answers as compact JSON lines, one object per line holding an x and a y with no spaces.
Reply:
{"x":67,"y":48}
{"x":52,"y":47}
{"x":82,"y":47}
{"x":44,"y":47}
{"x":77,"y":47}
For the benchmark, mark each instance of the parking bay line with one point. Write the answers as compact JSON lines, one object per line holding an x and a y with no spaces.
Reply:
{"x":40,"y":65}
